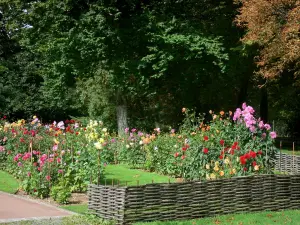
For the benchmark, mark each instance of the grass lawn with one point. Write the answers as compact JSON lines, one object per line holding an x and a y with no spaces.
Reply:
{"x":123,"y":174}
{"x":263,"y":218}
{"x":290,"y":152}
{"x":79,"y":208}
{"x":8,"y":183}
{"x":291,"y":217}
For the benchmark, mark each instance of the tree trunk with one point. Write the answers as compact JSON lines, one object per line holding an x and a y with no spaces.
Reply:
{"x":264,"y":109}
{"x":122,"y":118}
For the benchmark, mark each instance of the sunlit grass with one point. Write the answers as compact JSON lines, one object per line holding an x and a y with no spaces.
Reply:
{"x":8,"y":183}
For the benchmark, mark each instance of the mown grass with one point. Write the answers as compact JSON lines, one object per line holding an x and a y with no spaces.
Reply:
{"x":263,"y":218}
{"x":68,"y":220}
{"x":122,"y":174}
{"x":8,"y":183}
{"x":290,"y":152}
{"x":79,"y":208}
{"x":289,"y":217}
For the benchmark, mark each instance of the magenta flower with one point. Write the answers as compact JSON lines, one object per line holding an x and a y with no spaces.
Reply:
{"x":267,"y":126}
{"x":61,"y":125}
{"x":28,"y":174}
{"x":60,"y":171}
{"x":261,"y":125}
{"x":2,"y":148}
{"x":264,"y":135}
{"x":19,"y":164}
{"x":273,"y":135}
{"x":76,"y":125}
{"x":244,"y":105}
{"x":250,"y":109}
{"x":48,"y":178}
{"x":237,"y":114}
{"x":252,"y":129}
{"x":55,"y":147}
{"x":126,"y":130}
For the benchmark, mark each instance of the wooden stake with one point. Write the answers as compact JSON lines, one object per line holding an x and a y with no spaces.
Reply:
{"x":99,"y":167}
{"x":72,"y":154}
{"x":267,"y":159}
{"x":293,"y":156}
{"x":280,"y":148}
{"x":30,"y":147}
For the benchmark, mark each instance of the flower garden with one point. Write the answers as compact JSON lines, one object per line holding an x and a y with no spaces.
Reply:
{"x":60,"y":158}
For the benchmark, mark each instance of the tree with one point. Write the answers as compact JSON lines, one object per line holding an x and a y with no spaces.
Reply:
{"x":274,"y":26}
{"x":141,"y":54}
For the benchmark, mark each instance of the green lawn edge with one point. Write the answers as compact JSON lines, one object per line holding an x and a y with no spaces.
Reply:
{"x":261,"y":218}
{"x":122,"y":174}
{"x":8,"y":183}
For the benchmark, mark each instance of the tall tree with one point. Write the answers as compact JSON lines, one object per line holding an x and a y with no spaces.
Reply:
{"x":137,"y":51}
{"x":274,"y":26}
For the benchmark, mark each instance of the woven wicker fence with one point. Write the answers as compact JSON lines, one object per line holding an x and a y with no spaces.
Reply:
{"x":287,"y":163}
{"x":190,"y":200}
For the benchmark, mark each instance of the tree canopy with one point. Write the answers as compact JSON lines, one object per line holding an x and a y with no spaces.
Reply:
{"x":62,"y":58}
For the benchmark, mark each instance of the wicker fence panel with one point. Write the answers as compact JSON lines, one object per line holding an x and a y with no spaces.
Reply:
{"x":287,"y":163}
{"x":107,"y":202}
{"x":177,"y":201}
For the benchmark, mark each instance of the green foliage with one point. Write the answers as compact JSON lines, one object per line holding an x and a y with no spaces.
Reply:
{"x":61,"y":193}
{"x":88,"y":49}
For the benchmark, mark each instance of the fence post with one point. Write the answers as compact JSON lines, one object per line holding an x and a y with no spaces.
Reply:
{"x":267,"y":159}
{"x":293,"y":157}
{"x":280,"y":146}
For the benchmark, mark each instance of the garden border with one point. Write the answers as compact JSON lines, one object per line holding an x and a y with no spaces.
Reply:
{"x":189,"y":200}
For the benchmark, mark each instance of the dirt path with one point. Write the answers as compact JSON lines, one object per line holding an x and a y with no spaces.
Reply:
{"x":14,"y":208}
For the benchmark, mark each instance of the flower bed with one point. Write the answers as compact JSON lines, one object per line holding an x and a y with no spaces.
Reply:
{"x":229,"y":145}
{"x":64,"y":157}
{"x":52,"y":159}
